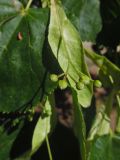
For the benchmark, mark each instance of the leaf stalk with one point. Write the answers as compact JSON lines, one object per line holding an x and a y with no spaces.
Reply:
{"x":48,"y":147}
{"x":28,"y":4}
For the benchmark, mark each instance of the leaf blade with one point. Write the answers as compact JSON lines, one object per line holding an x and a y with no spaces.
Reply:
{"x":68,"y":50}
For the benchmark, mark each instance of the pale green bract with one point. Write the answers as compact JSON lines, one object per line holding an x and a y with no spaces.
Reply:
{"x":43,"y":127}
{"x":79,"y":126}
{"x":67,"y":47}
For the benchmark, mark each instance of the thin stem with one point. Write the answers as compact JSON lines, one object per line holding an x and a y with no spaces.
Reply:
{"x":118,"y":100}
{"x":59,"y":76}
{"x":109,"y":102}
{"x":48,"y":147}
{"x":28,"y":4}
{"x":111,"y":79}
{"x":118,"y":116}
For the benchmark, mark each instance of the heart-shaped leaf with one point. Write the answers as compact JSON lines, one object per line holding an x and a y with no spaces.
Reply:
{"x":22,"y":72}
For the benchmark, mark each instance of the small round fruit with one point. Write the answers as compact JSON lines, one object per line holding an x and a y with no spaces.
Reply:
{"x":54,"y":77}
{"x":63,"y":84}
{"x":80,"y":85}
{"x":85,"y":79}
{"x":97,"y":84}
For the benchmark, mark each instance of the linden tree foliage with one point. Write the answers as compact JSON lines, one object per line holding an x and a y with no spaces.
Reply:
{"x":41,"y":49}
{"x":85,"y":15}
{"x":67,"y":48}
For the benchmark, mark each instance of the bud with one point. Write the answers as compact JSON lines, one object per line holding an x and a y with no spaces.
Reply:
{"x":63,"y":84}
{"x":80,"y":85}
{"x":97,"y":84}
{"x":54,"y":77}
{"x":85,"y":79}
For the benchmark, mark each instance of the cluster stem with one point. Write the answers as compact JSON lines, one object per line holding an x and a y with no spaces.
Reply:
{"x":28,"y":4}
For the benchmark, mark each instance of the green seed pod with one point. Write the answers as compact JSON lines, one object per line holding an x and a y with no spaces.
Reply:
{"x":54,"y":77}
{"x":80,"y":85}
{"x":63,"y":84}
{"x":85,"y":79}
{"x":97,"y":84}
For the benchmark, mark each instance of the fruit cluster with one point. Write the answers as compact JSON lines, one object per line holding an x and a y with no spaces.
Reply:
{"x":83,"y":81}
{"x":62,"y":83}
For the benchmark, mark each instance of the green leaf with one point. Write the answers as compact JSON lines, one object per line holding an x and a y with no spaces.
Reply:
{"x":118,"y":113}
{"x":101,"y":125}
{"x":6,"y":142}
{"x":9,"y":9}
{"x":45,"y":3}
{"x":68,"y":50}
{"x":118,"y":125}
{"x":73,"y":6}
{"x":109,"y":73}
{"x":105,"y":148}
{"x":45,"y":125}
{"x":79,"y":126}
{"x":101,"y":128}
{"x":22,"y":72}
{"x":103,"y":144}
{"x":88,"y":23}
